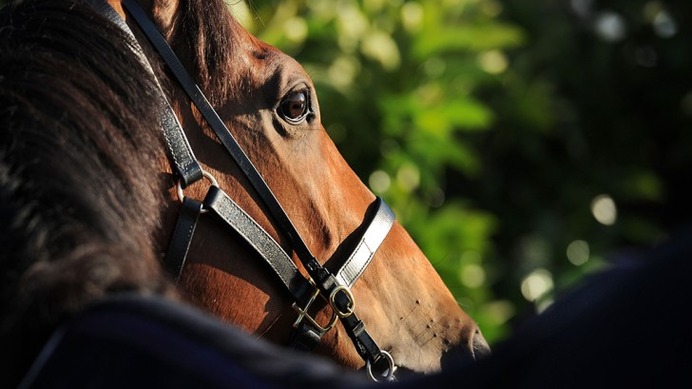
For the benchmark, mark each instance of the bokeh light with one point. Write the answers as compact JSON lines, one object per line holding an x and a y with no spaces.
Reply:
{"x":578,"y":252}
{"x":408,"y":177}
{"x":472,"y":276}
{"x":379,"y":181}
{"x":536,"y":284}
{"x":610,"y":26}
{"x":493,"y":61}
{"x":604,"y":210}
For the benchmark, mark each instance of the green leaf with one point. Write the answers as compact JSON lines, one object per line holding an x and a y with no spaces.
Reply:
{"x":474,"y":38}
{"x":465,"y":114}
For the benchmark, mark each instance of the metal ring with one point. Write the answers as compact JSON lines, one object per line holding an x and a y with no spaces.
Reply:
{"x":387,"y":375}
{"x":205,"y":174}
{"x":332,"y":301}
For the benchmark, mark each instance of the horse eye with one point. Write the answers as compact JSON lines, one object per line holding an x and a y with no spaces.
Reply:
{"x":294,"y":107}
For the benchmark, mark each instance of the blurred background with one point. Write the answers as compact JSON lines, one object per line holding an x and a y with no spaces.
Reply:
{"x":523,"y":144}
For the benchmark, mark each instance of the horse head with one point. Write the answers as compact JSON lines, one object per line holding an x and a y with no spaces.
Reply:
{"x":269,"y":104}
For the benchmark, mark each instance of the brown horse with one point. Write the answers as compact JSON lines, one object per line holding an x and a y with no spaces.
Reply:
{"x":84,"y":301}
{"x":269,"y":104}
{"x":265,"y":99}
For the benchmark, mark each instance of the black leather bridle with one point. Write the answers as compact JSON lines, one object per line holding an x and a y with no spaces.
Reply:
{"x":334,"y":289}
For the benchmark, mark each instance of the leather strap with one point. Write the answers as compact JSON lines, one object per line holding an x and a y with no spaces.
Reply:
{"x":180,"y":241}
{"x":185,"y":164}
{"x":306,"y":336}
{"x":233,"y":216}
{"x":374,"y":235}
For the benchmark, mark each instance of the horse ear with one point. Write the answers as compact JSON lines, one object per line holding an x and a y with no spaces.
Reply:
{"x":118,"y":7}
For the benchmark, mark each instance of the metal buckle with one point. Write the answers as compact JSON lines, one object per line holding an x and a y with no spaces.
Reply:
{"x":303,"y":314}
{"x":350,"y":308}
{"x":388,"y":373}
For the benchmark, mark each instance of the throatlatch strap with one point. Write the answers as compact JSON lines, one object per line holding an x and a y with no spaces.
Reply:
{"x":174,"y":261}
{"x":304,"y":338}
{"x":185,"y":164}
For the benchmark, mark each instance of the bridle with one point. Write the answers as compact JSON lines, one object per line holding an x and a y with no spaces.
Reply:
{"x":334,"y":289}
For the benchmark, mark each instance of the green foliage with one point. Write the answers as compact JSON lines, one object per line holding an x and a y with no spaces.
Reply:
{"x":515,"y":140}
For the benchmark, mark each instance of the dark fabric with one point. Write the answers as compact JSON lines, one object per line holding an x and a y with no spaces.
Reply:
{"x":625,"y":327}
{"x":135,"y":341}
{"x":629,"y":326}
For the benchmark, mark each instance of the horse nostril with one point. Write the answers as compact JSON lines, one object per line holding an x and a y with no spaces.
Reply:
{"x":472,"y":349}
{"x":479,"y":345}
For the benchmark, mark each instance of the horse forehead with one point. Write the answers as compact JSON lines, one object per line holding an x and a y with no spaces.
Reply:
{"x":267,"y":64}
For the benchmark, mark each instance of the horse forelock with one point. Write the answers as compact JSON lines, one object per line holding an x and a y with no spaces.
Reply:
{"x":205,"y":35}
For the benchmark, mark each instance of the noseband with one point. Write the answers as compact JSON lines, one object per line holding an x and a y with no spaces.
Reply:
{"x":334,"y":289}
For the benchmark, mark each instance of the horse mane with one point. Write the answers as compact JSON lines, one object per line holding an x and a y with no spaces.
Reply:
{"x":80,"y":196}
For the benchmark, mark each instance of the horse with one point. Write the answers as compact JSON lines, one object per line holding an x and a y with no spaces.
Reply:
{"x":277,"y":109}
{"x":84,"y":300}
{"x":266,"y":101}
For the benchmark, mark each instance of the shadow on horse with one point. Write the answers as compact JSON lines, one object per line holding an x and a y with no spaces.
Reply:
{"x":95,"y":194}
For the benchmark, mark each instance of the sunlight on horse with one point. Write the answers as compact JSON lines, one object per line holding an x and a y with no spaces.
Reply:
{"x":400,"y":297}
{"x":88,"y":202}
{"x":98,"y":186}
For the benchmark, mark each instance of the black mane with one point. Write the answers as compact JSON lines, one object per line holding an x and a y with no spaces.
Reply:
{"x":80,"y":192}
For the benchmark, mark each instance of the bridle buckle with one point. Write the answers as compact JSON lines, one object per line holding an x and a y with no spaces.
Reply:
{"x":304,"y":314}
{"x":350,"y":306}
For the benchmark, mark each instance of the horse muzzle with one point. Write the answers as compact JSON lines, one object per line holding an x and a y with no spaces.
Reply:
{"x":474,"y":349}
